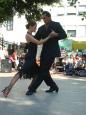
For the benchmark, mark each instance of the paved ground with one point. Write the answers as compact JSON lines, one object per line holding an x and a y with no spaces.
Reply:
{"x":71,"y":99}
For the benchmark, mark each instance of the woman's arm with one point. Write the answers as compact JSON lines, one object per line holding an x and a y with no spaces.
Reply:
{"x":30,"y":38}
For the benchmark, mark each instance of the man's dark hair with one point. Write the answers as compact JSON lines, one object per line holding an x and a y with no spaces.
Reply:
{"x":46,"y":13}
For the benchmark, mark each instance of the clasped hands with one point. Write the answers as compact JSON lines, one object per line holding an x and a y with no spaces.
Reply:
{"x":53,"y":34}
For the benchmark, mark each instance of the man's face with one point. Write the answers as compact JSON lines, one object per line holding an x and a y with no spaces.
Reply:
{"x":46,"y":19}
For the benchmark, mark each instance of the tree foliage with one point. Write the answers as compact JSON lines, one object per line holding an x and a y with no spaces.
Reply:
{"x":31,"y":8}
{"x":6,"y":9}
{"x":72,"y":2}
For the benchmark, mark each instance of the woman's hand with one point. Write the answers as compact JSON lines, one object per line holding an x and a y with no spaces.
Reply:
{"x":53,"y":34}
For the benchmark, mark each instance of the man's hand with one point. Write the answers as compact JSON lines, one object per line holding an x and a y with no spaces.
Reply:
{"x":53,"y":34}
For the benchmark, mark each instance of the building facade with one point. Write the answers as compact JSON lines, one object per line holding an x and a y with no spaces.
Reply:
{"x":71,"y":17}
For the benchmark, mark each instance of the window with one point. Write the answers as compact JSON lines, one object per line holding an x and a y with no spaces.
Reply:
{"x":71,"y":33}
{"x":60,"y":14}
{"x":71,"y":14}
{"x":0,"y":25}
{"x":9,"y":25}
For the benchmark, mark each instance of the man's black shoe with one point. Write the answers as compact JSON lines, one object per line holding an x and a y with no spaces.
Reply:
{"x":30,"y":92}
{"x":33,"y":91}
{"x":52,"y":89}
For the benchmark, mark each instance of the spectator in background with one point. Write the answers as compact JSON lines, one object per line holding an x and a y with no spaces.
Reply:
{"x":13,"y":58}
{"x":2,"y":55}
{"x":80,"y":67}
{"x":69,"y":65}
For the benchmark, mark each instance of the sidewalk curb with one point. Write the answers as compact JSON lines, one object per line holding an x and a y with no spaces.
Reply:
{"x":7,"y":74}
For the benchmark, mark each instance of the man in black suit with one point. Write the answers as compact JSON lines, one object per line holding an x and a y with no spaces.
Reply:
{"x":50,"y":50}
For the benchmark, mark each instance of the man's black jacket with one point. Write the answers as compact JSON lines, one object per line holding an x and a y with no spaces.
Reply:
{"x":51,"y":47}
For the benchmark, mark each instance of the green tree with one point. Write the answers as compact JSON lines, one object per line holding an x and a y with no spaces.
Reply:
{"x":6,"y":9}
{"x":31,"y":8}
{"x":72,"y":2}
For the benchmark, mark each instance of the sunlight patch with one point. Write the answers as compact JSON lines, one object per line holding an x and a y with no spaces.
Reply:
{"x":17,"y":102}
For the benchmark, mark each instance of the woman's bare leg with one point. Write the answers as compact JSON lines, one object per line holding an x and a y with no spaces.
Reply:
{"x":14,"y":80}
{"x":7,"y":89}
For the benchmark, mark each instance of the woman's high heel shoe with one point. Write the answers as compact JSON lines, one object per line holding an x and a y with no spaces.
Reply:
{"x":6,"y":91}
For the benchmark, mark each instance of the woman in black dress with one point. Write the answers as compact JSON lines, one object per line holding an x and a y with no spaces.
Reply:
{"x":29,"y":68}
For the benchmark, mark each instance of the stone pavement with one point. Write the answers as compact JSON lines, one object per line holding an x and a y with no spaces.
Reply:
{"x":71,"y":99}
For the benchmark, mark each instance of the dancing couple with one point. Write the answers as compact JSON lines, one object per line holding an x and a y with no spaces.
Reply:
{"x":48,"y":34}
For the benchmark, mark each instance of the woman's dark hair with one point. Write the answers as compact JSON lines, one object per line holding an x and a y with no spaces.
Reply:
{"x":30,"y":23}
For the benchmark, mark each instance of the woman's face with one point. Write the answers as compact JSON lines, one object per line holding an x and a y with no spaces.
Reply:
{"x":33,"y":28}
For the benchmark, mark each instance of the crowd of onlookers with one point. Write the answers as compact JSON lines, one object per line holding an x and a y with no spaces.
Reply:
{"x":71,"y":65}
